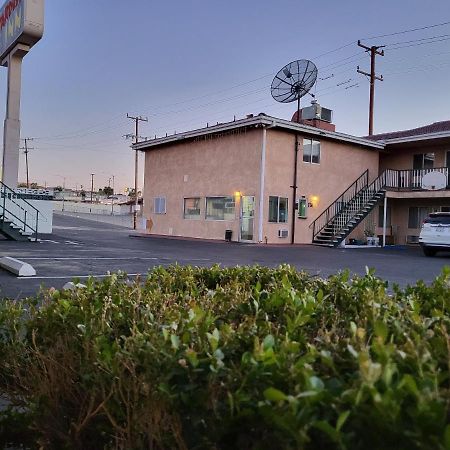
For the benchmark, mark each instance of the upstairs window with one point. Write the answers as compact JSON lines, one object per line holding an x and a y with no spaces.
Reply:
{"x":423,"y":161}
{"x":160,"y":205}
{"x":311,"y":151}
{"x":278,"y":209}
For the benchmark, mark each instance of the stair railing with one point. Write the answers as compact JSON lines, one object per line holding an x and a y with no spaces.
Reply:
{"x":18,"y":211}
{"x":340,"y":203}
{"x":346,"y":207}
{"x":362,"y":199}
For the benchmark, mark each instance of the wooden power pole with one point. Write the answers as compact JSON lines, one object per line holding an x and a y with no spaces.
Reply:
{"x":136,"y":120}
{"x":374,"y":50}
{"x":26,"y":150}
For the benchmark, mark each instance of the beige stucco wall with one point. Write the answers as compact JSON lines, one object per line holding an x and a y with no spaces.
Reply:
{"x":223,"y":165}
{"x":213,"y":167}
{"x":340,"y":165}
{"x":402,"y":157}
{"x":400,"y":213}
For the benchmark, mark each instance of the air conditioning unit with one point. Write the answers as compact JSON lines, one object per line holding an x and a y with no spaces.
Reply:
{"x":315,"y":111}
{"x":283,"y":233}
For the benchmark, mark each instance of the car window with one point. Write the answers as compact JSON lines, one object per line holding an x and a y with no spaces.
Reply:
{"x":443,"y":220}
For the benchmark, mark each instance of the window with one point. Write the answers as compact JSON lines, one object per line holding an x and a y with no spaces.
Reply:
{"x":160,"y":205}
{"x":220,"y":208}
{"x":417,"y":214}
{"x":381,"y":216}
{"x":192,"y":208}
{"x":278,"y":209}
{"x":311,"y":151}
{"x":423,"y":161}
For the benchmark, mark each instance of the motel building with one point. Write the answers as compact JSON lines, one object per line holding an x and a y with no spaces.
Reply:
{"x":268,"y":180}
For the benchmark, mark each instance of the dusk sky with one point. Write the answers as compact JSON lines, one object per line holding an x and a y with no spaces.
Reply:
{"x":183,"y":64}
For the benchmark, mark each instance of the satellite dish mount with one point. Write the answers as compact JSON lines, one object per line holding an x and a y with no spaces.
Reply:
{"x":293,"y":82}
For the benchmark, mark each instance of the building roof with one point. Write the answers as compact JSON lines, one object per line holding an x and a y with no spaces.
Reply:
{"x":436,"y":129}
{"x":261,"y":120}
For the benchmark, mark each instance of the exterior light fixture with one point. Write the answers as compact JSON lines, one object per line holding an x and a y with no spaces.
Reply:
{"x":315,"y":201}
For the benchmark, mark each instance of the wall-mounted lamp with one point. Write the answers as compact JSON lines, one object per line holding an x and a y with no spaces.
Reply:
{"x":314,"y":201}
{"x":237,"y":195}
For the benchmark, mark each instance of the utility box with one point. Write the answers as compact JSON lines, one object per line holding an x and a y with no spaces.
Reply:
{"x":302,"y":207}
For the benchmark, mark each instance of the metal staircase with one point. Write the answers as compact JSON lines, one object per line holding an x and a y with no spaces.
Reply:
{"x":349,"y":209}
{"x":19,"y":219}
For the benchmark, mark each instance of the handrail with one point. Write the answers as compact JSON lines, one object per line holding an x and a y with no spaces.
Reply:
{"x":342,"y":211}
{"x":15,"y":194}
{"x":364,"y":178}
{"x":22,"y":204}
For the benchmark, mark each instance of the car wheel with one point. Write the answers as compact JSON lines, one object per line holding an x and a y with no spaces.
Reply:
{"x":427,"y":251}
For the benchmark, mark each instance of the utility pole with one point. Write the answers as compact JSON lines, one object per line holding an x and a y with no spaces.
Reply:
{"x":26,"y":149}
{"x":136,"y":137}
{"x":64,"y":192}
{"x":374,"y":51}
{"x":112,"y":197}
{"x":92,"y":189}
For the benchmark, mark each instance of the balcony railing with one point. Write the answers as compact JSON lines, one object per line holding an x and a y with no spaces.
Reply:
{"x":411,"y":179}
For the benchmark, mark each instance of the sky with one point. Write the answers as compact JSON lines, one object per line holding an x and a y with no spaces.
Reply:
{"x":183,"y":64}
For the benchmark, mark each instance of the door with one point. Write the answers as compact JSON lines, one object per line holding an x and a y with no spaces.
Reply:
{"x":247,"y":217}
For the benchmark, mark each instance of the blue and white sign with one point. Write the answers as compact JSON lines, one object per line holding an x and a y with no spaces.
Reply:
{"x":21,"y":22}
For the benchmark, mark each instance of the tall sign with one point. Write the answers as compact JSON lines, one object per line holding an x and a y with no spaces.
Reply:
{"x":21,"y":27}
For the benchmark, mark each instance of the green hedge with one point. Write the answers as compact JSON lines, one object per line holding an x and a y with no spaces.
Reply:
{"x":240,"y":358}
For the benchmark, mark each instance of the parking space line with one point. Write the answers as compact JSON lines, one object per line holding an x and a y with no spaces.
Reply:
{"x":93,"y":258}
{"x":64,"y":277}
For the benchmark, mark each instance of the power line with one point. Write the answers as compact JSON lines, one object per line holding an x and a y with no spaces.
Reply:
{"x":411,"y":30}
{"x":418,"y":40}
{"x":420,"y":43}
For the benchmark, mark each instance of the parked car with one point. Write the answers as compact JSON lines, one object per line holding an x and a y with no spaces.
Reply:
{"x":435,"y":233}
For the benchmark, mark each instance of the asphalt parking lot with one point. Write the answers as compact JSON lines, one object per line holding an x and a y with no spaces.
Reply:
{"x":80,"y":248}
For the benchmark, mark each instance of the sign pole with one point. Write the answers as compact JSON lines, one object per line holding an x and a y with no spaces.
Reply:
{"x":11,"y":134}
{"x":21,"y":27}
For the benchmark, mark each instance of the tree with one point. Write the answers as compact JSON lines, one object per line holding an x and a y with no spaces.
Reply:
{"x":107,"y":190}
{"x":58,"y":188}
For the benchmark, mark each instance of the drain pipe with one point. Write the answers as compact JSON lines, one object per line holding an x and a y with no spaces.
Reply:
{"x":262,"y":181}
{"x":294,"y":184}
{"x":294,"y":189}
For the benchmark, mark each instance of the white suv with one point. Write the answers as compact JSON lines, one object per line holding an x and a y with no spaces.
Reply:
{"x":435,"y":233}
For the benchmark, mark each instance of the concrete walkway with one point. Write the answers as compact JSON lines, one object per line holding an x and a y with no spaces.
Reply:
{"x":119,"y":220}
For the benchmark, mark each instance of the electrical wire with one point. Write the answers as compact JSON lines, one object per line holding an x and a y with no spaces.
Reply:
{"x":411,"y":30}
{"x":417,"y":40}
{"x":419,"y":44}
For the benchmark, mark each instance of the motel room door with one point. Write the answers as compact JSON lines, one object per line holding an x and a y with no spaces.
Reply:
{"x":247,"y":218}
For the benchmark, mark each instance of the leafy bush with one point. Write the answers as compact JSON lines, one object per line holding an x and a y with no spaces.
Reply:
{"x":239,"y":358}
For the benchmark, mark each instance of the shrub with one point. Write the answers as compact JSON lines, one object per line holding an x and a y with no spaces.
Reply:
{"x":248,"y":358}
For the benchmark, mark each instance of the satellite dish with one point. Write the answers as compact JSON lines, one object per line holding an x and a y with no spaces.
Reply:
{"x":294,"y":81}
{"x":433,"y":181}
